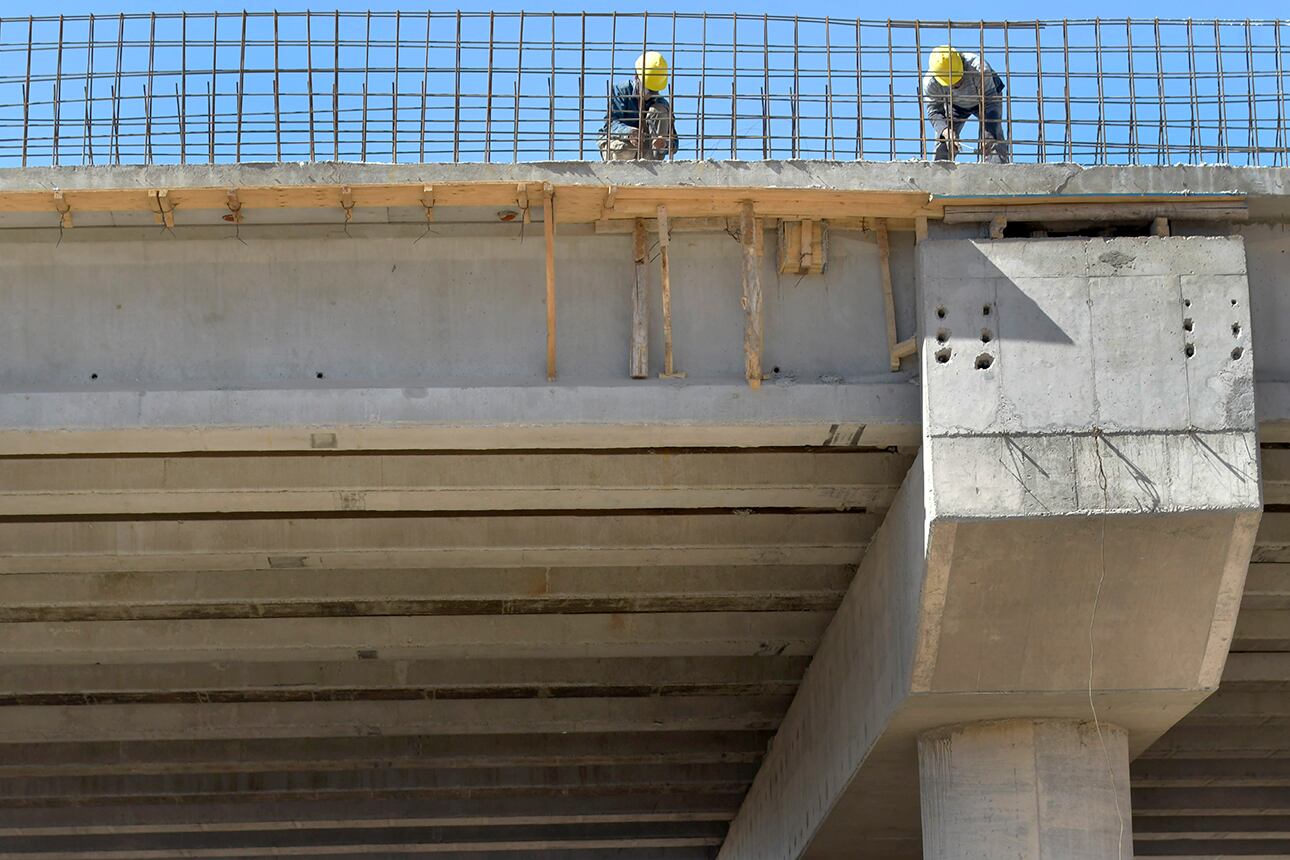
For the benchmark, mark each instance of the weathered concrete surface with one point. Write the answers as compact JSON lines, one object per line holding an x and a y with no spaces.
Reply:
{"x":1081,"y":529}
{"x":1025,"y":790}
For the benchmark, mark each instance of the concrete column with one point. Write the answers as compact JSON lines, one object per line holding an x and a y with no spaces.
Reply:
{"x":1025,"y":789}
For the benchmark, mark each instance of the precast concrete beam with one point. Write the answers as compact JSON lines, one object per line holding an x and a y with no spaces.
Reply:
{"x":1072,"y":543}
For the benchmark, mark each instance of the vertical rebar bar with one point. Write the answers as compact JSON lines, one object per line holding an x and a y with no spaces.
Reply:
{"x":241,"y":90}
{"x":551,"y":97}
{"x":1281,"y":155}
{"x":183,"y":78}
{"x":1007,"y":76}
{"x":859,"y":99}
{"x":1195,"y":140}
{"x":1134,"y":151}
{"x":456,"y":96}
{"x":26,"y":91}
{"x":1222,"y":141}
{"x":212,"y":89}
{"x":1039,"y":88}
{"x":1251,"y":79}
{"x":277,"y":104}
{"x":582,"y":89}
{"x":766,"y":128}
{"x":367,"y":68}
{"x":918,"y":95}
{"x":1162,"y":150}
{"x":1066,"y":91}
{"x":394,"y":100}
{"x":828,"y":91}
{"x":425,"y":84}
{"x":58,"y":91}
{"x":797,"y":91}
{"x":309,"y":77}
{"x":519,"y":84}
{"x":1101,"y":149}
{"x":335,"y":88}
{"x":87,"y":145}
{"x":734,"y":86}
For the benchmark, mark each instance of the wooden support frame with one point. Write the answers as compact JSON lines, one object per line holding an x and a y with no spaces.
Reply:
{"x":427,"y":202}
{"x":234,"y":205}
{"x":1160,"y":226}
{"x":64,"y":210}
{"x":638,"y":359}
{"x":163,"y":207}
{"x":803,"y":247}
{"x":665,"y":266}
{"x":1197,"y":210}
{"x":548,"y":231}
{"x":888,"y":299}
{"x":752,"y":298}
{"x":998,"y":224}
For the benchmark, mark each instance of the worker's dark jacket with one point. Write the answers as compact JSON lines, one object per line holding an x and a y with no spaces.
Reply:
{"x":627,"y":108}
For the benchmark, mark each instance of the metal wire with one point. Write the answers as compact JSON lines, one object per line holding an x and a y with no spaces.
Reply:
{"x":483,"y":86}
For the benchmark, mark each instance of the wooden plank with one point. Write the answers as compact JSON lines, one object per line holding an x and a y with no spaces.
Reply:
{"x":548,"y":230}
{"x":752,"y":300}
{"x":1160,"y":226}
{"x":639,"y":357}
{"x":906,"y":348}
{"x":888,"y":300}
{"x":669,"y":371}
{"x":920,"y":229}
{"x":1228,"y":210}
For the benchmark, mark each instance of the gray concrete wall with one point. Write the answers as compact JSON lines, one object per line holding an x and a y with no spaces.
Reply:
{"x":128,"y":309}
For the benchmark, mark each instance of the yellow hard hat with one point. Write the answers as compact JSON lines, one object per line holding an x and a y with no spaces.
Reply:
{"x":651,"y":68}
{"x":946,"y":65}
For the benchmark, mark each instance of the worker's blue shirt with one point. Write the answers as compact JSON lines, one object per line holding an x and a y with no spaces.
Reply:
{"x":628,"y":108}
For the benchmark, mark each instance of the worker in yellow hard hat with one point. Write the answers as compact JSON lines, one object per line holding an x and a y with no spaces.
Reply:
{"x":639,"y":123}
{"x":959,"y":85}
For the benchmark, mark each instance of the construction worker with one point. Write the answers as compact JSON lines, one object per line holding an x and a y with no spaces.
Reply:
{"x":639,"y":124}
{"x":959,"y":85}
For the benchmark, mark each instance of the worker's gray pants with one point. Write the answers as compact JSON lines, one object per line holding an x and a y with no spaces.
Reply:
{"x":624,"y":142}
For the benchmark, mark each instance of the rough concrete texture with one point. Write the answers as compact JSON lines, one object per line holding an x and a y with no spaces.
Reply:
{"x":1026,"y":790}
{"x":1068,"y":544}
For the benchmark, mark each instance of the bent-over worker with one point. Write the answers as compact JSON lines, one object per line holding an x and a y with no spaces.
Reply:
{"x":639,"y":124}
{"x":959,"y":85}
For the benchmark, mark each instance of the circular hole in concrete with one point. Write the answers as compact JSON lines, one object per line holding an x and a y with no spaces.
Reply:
{"x":984,"y":360}
{"x":942,"y":335}
{"x":775,"y":369}
{"x":1236,"y":329}
{"x":94,"y":376}
{"x":1187,"y":324}
{"x":940,"y":312}
{"x":1237,"y":352}
{"x":986,"y":335}
{"x":1186,"y":303}
{"x":985,"y":310}
{"x":319,"y":374}
{"x":942,"y":355}
{"x":1190,"y":350}
{"x":1233,"y":302}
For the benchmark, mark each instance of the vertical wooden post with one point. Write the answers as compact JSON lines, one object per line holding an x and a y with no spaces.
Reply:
{"x":1160,"y":227}
{"x":884,"y":261}
{"x":665,"y":264}
{"x":752,"y":297}
{"x":639,"y":359}
{"x":807,"y":238}
{"x":548,"y":228}
{"x":920,"y":229}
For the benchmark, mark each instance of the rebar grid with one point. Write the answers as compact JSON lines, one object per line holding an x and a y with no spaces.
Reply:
{"x":491,"y":86}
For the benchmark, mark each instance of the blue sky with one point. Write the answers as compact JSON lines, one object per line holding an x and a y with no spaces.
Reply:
{"x":928,"y":9}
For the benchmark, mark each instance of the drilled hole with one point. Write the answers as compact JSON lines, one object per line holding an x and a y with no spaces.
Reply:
{"x":984,"y":360}
{"x":1186,"y":303}
{"x":1237,"y":352}
{"x":942,"y":355}
{"x":1187,"y":324}
{"x":94,"y":376}
{"x":986,"y":335}
{"x":1236,"y":329}
{"x":1233,"y":302}
{"x":942,"y":335}
{"x":940,"y":312}
{"x":985,"y":310}
{"x":775,"y":369}
{"x":1190,"y":350}
{"x":319,"y":374}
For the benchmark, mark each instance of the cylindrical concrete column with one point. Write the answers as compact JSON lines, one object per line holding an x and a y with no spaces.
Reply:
{"x":1025,"y":790}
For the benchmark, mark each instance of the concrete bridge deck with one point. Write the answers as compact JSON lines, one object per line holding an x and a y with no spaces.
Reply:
{"x":302,"y":554}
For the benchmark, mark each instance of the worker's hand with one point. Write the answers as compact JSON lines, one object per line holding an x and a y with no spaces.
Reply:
{"x":660,"y":144}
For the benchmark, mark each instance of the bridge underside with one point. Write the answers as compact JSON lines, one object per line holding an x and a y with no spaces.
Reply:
{"x":302,"y":555}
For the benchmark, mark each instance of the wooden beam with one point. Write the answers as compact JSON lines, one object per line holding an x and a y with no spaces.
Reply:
{"x":753,"y":334}
{"x":888,"y":300}
{"x":639,"y":358}
{"x":904,"y":349}
{"x":1233,"y":210}
{"x":548,"y":230}
{"x":669,"y":371}
{"x":920,"y":229}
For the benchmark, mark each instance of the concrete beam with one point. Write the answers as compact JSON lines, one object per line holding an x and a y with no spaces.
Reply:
{"x":433,"y":541}
{"x":43,"y":486}
{"x":356,"y":719}
{"x":284,"y":592}
{"x":657,"y":634}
